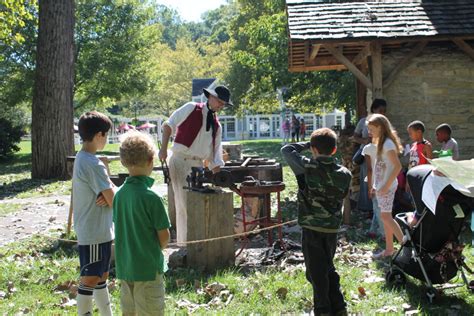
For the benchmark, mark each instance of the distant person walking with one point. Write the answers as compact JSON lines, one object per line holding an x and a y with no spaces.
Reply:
{"x":285,"y":127}
{"x":302,"y":129}
{"x":295,"y":129}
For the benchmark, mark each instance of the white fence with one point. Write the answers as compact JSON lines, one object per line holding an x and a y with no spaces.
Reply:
{"x":269,"y":126}
{"x":249,"y":126}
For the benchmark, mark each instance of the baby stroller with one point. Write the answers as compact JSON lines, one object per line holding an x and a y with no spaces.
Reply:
{"x":432,"y":252}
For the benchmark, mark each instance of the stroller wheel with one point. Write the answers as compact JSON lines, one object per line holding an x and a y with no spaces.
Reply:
{"x":395,"y":277}
{"x":431,"y":294}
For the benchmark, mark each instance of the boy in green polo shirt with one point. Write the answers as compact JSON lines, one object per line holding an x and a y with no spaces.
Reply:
{"x":141,"y":231}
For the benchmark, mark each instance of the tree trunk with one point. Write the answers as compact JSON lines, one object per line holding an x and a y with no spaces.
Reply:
{"x":52,"y":118}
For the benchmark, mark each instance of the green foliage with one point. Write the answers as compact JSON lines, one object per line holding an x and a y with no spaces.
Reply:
{"x":111,"y":37}
{"x":14,"y":15}
{"x":10,"y":136}
{"x":259,"y":65}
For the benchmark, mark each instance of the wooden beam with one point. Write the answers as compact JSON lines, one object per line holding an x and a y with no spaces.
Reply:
{"x":346,"y":62}
{"x":362,"y":55}
{"x":414,"y":52}
{"x":314,"y":51}
{"x":376,"y":69}
{"x":361,"y":93}
{"x":465,"y":47}
{"x":316,"y":68}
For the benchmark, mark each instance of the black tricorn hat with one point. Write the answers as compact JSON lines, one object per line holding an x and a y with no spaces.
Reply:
{"x":220,"y":92}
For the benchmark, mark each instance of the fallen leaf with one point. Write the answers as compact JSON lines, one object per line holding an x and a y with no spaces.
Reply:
{"x":214,"y":289}
{"x":229,"y":299}
{"x":224,"y":294}
{"x":373,"y":279}
{"x":406,"y":306}
{"x":361,"y":291}
{"x":11,"y":287}
{"x":197,"y":284}
{"x":282,"y":292}
{"x":387,"y":309}
{"x":180,"y":282}
{"x":66,"y":302}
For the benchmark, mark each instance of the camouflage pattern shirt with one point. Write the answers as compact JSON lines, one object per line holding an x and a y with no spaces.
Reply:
{"x":323,"y":185}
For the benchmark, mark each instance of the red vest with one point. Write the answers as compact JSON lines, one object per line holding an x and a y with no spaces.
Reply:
{"x":187,"y":131}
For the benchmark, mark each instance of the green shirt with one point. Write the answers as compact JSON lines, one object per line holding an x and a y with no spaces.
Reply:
{"x":138,"y":215}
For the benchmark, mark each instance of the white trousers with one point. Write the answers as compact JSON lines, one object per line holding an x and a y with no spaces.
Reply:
{"x":180,"y":168}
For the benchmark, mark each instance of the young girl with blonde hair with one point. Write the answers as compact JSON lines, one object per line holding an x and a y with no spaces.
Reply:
{"x":387,"y":167}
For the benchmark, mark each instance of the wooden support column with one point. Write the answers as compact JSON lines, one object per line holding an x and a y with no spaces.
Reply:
{"x":346,"y":62}
{"x":361,"y":93}
{"x":465,"y":47}
{"x":376,"y":70}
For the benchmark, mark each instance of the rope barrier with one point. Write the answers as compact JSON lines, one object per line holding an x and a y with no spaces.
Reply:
{"x":252,"y":232}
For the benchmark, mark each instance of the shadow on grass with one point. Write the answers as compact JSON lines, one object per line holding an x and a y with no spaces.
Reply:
{"x":14,"y":188}
{"x":265,"y":149}
{"x":17,"y":164}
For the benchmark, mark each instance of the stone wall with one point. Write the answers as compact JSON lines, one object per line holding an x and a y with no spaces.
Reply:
{"x":436,"y":87}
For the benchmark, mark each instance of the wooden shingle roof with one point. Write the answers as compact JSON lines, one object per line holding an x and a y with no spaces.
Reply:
{"x":352,"y":21}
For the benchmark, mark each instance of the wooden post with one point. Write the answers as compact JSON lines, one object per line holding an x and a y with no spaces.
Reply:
{"x":361,"y":94}
{"x":210,"y":215}
{"x":69,"y":218}
{"x":376,"y":75}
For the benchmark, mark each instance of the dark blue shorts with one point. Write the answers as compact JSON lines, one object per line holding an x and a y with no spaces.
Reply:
{"x":95,"y":259}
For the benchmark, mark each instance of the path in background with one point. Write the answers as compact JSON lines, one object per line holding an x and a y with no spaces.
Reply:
{"x":40,"y":215}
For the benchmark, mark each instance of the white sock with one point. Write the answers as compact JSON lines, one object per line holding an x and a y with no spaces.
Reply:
{"x":102,"y":299}
{"x":84,"y":300}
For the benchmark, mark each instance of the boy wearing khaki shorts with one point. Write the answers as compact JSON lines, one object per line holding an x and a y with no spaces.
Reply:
{"x":141,"y":231}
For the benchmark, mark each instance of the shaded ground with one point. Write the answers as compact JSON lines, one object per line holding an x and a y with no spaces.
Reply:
{"x":44,"y":215}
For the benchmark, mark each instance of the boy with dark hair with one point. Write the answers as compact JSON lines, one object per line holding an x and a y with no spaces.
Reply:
{"x":92,"y":197}
{"x":421,"y":150}
{"x":443,"y":135}
{"x":323,"y":184}
{"x":141,"y":225}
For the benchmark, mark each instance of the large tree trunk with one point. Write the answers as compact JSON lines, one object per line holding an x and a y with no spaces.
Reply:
{"x":52,"y":119}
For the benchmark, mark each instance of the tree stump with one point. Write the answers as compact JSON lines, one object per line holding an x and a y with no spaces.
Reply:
{"x":210,"y":215}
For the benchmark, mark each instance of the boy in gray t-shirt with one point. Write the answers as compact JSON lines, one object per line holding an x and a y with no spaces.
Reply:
{"x":92,"y":196}
{"x":443,"y":135}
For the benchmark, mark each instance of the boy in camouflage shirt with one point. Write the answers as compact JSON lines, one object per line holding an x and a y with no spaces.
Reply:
{"x":323,"y":184}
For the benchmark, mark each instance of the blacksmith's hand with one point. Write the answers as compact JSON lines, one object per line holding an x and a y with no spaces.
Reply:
{"x":216,"y":169}
{"x":163,"y":153}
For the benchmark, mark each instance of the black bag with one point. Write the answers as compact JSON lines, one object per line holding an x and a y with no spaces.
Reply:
{"x":358,"y":158}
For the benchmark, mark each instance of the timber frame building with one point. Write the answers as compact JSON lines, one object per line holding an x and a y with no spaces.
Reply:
{"x":418,"y":55}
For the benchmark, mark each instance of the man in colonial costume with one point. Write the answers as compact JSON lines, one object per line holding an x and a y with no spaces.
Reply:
{"x":198,"y":135}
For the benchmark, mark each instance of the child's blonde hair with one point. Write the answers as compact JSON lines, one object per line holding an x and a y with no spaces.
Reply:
{"x":136,"y":149}
{"x":386,"y":131}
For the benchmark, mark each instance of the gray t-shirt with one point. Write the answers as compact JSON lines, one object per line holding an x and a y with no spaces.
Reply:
{"x":92,"y":223}
{"x":453,"y":145}
{"x":362,"y":129}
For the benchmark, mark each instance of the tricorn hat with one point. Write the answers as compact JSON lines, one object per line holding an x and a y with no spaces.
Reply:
{"x":220,"y":92}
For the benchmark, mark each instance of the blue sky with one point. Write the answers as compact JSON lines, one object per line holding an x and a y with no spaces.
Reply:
{"x":191,"y":10}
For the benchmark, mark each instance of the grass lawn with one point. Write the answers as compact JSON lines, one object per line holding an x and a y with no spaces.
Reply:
{"x":36,"y":274}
